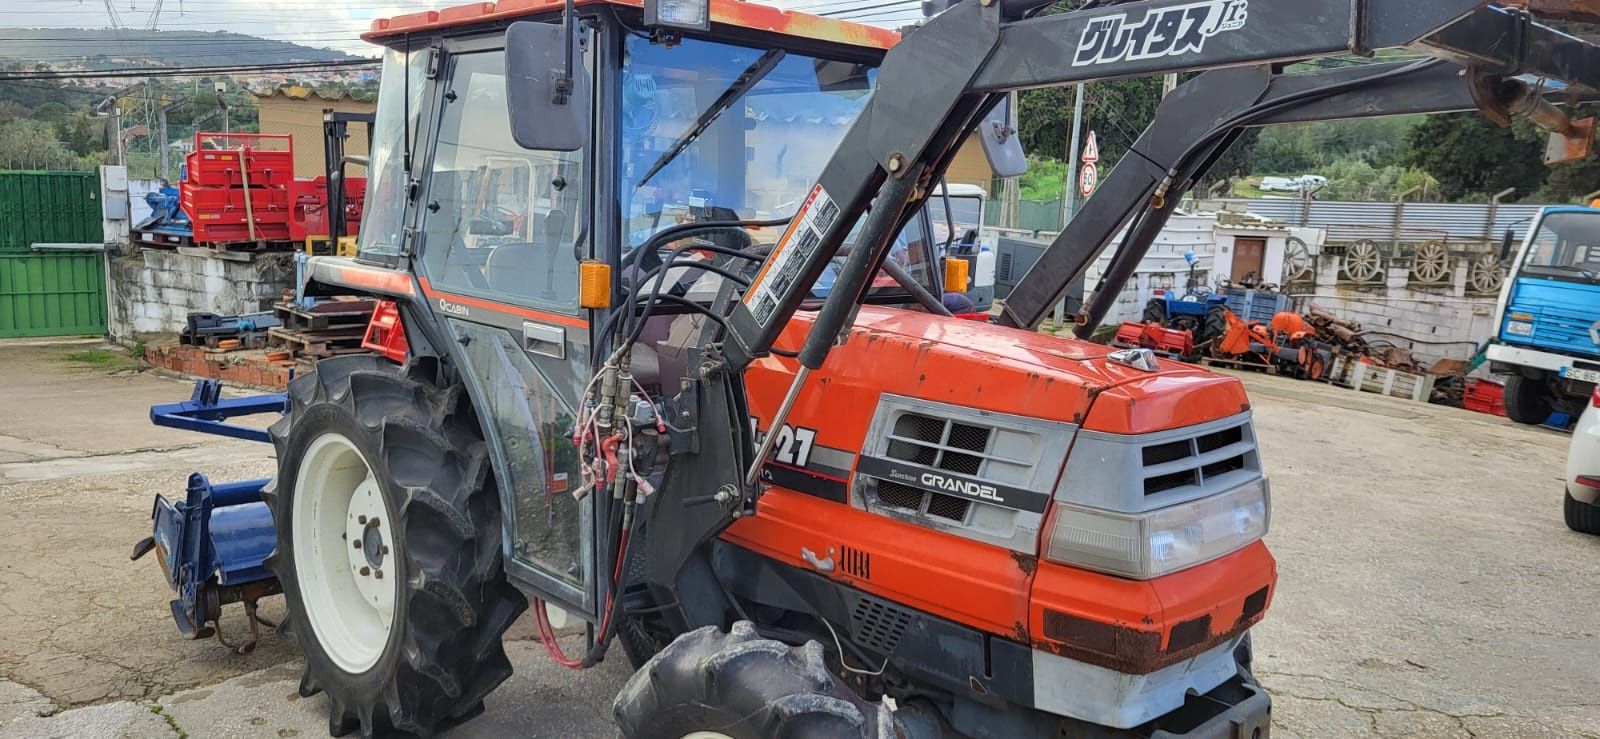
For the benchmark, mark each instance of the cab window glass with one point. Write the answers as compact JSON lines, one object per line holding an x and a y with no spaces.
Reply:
{"x":399,"y":93}
{"x":499,"y":219}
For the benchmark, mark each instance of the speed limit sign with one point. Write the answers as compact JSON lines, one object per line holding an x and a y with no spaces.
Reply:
{"x":1088,"y":178}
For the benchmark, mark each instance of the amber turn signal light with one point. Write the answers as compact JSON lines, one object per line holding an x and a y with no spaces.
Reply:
{"x":594,"y":284}
{"x":955,"y":275}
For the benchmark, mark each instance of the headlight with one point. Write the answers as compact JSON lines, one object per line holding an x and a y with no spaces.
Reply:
{"x":1153,"y":544}
{"x":687,"y":14}
{"x":1519,"y":328}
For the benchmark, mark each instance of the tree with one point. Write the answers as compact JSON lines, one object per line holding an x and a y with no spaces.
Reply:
{"x":1116,"y":110}
{"x":1468,"y":154}
{"x":51,"y":112}
{"x":83,"y":135}
{"x":1565,"y":182}
{"x":26,"y":144}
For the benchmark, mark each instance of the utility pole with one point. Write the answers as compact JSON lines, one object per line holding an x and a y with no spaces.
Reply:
{"x":116,"y":132}
{"x":1169,"y":82}
{"x":1069,"y":200}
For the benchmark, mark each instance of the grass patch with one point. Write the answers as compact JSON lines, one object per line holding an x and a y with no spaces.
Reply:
{"x":172,"y":723}
{"x":102,"y":359}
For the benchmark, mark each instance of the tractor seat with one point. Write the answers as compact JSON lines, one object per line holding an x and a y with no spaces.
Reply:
{"x":536,"y":270}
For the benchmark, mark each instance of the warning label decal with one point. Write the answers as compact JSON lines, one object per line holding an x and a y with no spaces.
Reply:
{"x":793,"y":251}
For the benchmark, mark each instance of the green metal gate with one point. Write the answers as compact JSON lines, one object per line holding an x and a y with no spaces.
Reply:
{"x":50,"y":293}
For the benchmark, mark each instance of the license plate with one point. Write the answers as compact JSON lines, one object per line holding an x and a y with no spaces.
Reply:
{"x":1582,"y":375}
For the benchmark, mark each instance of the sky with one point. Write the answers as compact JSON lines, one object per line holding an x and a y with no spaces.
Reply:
{"x":327,"y":23}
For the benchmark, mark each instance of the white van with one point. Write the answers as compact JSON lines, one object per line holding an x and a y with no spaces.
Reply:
{"x":1280,"y":184}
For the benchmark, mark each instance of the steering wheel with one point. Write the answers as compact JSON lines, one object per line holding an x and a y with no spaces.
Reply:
{"x":736,"y":238}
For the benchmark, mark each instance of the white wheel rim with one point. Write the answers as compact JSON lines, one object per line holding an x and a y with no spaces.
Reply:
{"x":348,"y":590}
{"x":707,"y":735}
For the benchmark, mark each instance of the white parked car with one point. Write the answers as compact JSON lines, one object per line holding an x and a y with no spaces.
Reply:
{"x":1583,"y":471}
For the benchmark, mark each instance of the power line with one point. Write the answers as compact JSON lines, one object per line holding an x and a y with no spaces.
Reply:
{"x":901,"y":4}
{"x":184,"y":71}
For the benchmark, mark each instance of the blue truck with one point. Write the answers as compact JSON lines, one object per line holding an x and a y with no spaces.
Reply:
{"x":1548,"y":318}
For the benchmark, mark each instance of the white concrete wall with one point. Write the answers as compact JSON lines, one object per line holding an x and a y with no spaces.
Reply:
{"x":154,"y":290}
{"x":1439,"y":312}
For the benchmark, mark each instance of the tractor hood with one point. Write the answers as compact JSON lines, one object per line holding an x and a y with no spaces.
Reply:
{"x":989,"y":368}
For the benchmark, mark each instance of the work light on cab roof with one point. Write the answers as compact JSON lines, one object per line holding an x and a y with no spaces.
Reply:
{"x":692,"y":15}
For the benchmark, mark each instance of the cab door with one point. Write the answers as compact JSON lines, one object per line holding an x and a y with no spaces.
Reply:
{"x":498,"y":236}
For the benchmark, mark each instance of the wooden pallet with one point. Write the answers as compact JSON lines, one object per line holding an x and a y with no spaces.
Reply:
{"x":325,"y":315}
{"x":322,"y":343}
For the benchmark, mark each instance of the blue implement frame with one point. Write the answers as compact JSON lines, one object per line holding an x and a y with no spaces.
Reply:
{"x":213,"y":543}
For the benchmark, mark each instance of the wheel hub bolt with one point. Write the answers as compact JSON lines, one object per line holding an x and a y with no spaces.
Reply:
{"x":361,"y":519}
{"x":356,"y":543}
{"x":366,"y":571}
{"x":378,"y":574}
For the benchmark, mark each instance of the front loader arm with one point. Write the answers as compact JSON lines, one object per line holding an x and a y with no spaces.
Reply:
{"x":935,"y":83}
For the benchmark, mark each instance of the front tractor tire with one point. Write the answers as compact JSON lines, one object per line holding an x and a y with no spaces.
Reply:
{"x":389,"y":548}
{"x":736,"y":685}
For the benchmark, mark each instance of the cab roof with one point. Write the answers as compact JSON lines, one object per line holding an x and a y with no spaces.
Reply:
{"x":725,"y":12}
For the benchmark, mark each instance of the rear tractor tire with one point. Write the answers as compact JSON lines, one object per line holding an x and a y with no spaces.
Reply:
{"x":389,"y":533}
{"x":711,"y":684}
{"x":1155,"y":311}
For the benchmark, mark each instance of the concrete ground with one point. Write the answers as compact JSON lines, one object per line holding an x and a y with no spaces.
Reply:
{"x":1427,"y":585}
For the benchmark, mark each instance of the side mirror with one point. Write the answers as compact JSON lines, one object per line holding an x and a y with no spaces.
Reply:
{"x":1001,"y":144}
{"x":536,"y":58}
{"x":1505,"y":246}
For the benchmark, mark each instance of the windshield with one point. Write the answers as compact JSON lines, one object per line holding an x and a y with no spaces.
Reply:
{"x":717,"y":132}
{"x":1567,"y":243}
{"x":966,"y":210}
{"x":756,"y":153}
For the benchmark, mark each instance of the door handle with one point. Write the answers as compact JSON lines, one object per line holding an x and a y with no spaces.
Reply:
{"x":824,"y":565}
{"x":544,"y":339}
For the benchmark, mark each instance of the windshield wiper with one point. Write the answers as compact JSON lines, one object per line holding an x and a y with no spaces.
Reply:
{"x":749,"y":78}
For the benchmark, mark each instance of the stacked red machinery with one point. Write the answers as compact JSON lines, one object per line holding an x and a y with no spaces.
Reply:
{"x":1175,"y":343}
{"x":241,"y":188}
{"x":1288,"y":345}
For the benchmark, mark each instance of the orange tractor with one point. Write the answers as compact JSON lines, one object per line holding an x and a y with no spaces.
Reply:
{"x":676,"y":364}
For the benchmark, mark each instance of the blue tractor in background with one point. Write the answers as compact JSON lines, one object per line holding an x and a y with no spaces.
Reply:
{"x":1198,"y":309}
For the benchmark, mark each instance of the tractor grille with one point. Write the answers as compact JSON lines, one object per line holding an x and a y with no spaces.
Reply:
{"x":1170,"y":465}
{"x":878,"y":625}
{"x":940,"y":443}
{"x":914,"y":500}
{"x":981,"y":475}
